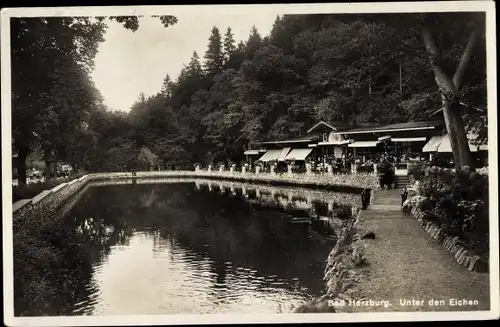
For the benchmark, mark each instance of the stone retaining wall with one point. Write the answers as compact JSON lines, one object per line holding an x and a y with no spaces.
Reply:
{"x":48,"y":201}
{"x":473,"y":262}
{"x":56,"y":196}
{"x":342,"y":269}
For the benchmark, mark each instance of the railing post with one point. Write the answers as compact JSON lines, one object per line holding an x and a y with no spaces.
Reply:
{"x":257,"y":169}
{"x":289,"y":167}
{"x":308,"y":168}
{"x":375,"y":172}
{"x":330,"y":169}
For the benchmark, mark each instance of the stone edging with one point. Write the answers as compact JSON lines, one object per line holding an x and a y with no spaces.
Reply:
{"x":340,"y":273}
{"x":69,"y":188}
{"x":464,"y":257}
{"x":49,"y":200}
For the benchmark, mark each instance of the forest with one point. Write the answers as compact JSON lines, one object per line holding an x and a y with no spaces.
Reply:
{"x":357,"y":69}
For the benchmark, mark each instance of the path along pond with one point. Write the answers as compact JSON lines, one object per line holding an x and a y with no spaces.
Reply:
{"x":191,"y":246}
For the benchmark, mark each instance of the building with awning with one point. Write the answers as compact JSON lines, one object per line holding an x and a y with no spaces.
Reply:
{"x":400,"y":138}
{"x":442,"y":144}
{"x":298,"y":154}
{"x":338,"y":140}
{"x":363,"y":144}
{"x":270,"y":155}
{"x":433,"y":144}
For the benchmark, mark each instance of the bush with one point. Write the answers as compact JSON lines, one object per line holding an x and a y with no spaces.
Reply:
{"x":386,"y":174}
{"x":416,"y":172}
{"x":460,"y":201}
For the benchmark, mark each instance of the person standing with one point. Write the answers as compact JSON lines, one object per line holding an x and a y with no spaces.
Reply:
{"x":404,"y":195}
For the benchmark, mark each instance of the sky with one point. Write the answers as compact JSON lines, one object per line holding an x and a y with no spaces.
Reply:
{"x":129,"y":63}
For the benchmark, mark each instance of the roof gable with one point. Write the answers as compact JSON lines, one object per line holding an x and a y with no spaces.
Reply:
{"x":321,"y":124}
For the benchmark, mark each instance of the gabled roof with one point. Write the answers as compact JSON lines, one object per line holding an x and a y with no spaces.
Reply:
{"x":321,"y":123}
{"x":411,"y":126}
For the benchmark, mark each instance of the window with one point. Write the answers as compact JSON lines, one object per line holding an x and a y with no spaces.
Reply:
{"x":325,"y":137}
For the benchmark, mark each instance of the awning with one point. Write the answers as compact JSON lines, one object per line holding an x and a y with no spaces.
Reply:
{"x":298,"y":154}
{"x":483,"y":147}
{"x":433,"y":143}
{"x":409,"y":139}
{"x":445,"y":146}
{"x":364,"y":144}
{"x":283,"y":154}
{"x":335,"y":142}
{"x":251,"y":152}
{"x":271,"y":155}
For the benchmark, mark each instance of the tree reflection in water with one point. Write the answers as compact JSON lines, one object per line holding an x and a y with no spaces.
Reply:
{"x":248,"y":234}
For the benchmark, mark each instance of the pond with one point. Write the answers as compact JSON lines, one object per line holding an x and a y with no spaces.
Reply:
{"x":191,"y":247}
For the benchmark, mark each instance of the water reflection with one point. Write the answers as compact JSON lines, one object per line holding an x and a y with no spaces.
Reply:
{"x":200,"y":247}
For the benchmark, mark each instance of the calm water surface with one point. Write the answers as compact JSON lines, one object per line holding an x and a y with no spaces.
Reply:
{"x":197,"y":248}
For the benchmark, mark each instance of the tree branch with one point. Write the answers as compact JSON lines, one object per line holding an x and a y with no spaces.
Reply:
{"x":444,"y":82}
{"x":467,"y":56}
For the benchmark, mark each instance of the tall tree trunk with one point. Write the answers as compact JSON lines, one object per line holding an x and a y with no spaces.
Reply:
{"x":47,"y":158}
{"x":458,"y":140}
{"x":449,"y":89}
{"x":21,"y":164}
{"x":400,"y":79}
{"x":370,"y":84}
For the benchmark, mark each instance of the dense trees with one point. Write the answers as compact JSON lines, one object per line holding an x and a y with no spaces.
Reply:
{"x":53,"y":96}
{"x":339,"y":68}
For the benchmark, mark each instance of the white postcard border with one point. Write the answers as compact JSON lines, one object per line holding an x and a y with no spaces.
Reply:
{"x":437,"y":6}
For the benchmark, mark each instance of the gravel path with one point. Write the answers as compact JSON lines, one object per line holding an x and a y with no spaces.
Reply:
{"x":406,"y":264}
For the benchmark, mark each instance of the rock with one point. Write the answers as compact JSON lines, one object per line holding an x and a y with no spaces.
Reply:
{"x":461,"y":258}
{"x":407,"y":206}
{"x":472,"y":264}
{"x":467,"y":261}
{"x":369,"y":235}
{"x":466,"y":255}
{"x":441,"y":237}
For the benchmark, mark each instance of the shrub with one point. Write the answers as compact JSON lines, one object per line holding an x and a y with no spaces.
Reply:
{"x":416,"y":172}
{"x":459,"y":199}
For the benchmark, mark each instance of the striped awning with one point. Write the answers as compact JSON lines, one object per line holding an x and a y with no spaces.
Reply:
{"x":364,"y":144}
{"x":283,"y":154}
{"x":271,"y":155}
{"x":445,"y":146}
{"x":408,"y":139}
{"x":298,"y":154}
{"x":340,"y":142}
{"x":433,"y":143}
{"x":251,"y":152}
{"x":442,"y":144}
